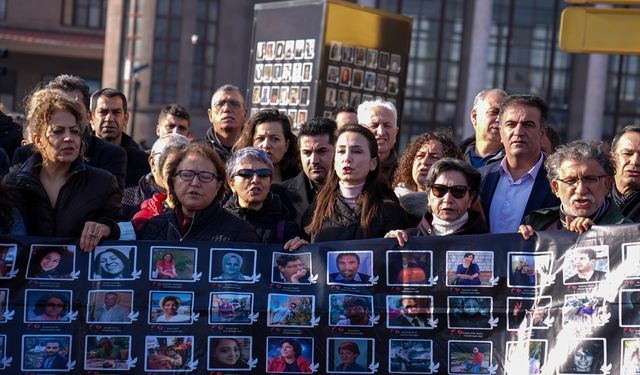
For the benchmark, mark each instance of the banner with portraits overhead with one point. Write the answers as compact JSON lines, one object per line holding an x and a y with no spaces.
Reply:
{"x":487,"y":304}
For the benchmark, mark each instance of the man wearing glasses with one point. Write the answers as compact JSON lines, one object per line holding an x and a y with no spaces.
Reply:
{"x":227,"y":115}
{"x":518,"y":184}
{"x":581,"y":175}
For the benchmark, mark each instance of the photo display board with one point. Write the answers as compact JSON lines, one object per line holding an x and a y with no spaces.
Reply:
{"x":486,"y":304}
{"x":306,"y":59}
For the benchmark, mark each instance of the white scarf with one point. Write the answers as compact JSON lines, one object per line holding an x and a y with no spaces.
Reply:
{"x":443,"y":228}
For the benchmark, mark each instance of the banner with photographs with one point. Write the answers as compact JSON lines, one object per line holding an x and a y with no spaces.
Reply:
{"x":488,"y":304}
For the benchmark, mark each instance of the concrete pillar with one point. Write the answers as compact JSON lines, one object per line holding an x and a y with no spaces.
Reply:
{"x":594,"y":101}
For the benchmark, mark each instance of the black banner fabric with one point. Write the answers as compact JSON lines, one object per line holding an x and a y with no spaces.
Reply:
{"x":490,"y":304}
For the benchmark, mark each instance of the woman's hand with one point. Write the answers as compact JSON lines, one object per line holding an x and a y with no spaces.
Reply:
{"x":92,"y":234}
{"x":295,"y":243}
{"x":526,"y":231}
{"x":399,"y":234}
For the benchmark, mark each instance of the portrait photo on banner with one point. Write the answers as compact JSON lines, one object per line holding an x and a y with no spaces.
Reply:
{"x":232,"y":266}
{"x":4,"y":304}
{"x":291,"y":268}
{"x":631,"y":260}
{"x":168,"y":353}
{"x":350,"y":268}
{"x":112,"y":263}
{"x":585,"y":265}
{"x":526,"y":270}
{"x":230,"y":308}
{"x":229,"y":352}
{"x":291,"y":310}
{"x":105,"y":353}
{"x":409,"y":312}
{"x":8,"y":253}
{"x":51,"y":262}
{"x":351,"y":310}
{"x":587,"y":357}
{"x":630,"y":361}
{"x":584,"y":310}
{"x":47,"y":306}
{"x":170,"y":307}
{"x":46,"y":353}
{"x":409,"y":267}
{"x":110,"y":306}
{"x":350,"y":355}
{"x":537,"y":311}
{"x":470,"y":357}
{"x":629,"y":308}
{"x":173,"y":263}
{"x":521,"y":355}
{"x":410,"y":356}
{"x":470,"y":268}
{"x":469,"y":312}
{"x":3,"y":350}
{"x":281,"y":351}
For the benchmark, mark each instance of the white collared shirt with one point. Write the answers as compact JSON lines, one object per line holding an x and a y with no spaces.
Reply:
{"x":510,"y":198}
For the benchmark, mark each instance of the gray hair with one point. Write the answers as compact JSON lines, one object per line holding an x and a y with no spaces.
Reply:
{"x":627,"y":129}
{"x":227,"y":88}
{"x":247,"y":154}
{"x":168,"y":140}
{"x":483,"y":94}
{"x":365,"y":107}
{"x":450,"y":164}
{"x":578,"y":151}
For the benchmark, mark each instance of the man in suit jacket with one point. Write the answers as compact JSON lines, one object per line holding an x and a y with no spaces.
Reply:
{"x":53,"y":359}
{"x":110,"y":311}
{"x":316,"y":139}
{"x":625,"y":153}
{"x":518,"y":184}
{"x":414,"y":313}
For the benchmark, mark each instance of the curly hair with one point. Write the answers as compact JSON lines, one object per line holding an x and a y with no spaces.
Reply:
{"x":404,"y":173}
{"x":290,"y":163}
{"x":578,"y":151}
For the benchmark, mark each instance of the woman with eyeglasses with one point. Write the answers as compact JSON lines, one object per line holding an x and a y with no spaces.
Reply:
{"x":413,"y":167}
{"x":250,"y":172}
{"x":270,"y":131}
{"x":453,"y":187}
{"x":354,"y":203}
{"x":195,"y":183}
{"x":58,"y":194}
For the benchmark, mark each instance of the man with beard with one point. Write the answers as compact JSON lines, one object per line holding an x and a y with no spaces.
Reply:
{"x":227,"y":115}
{"x":316,"y":140}
{"x":581,"y":175}
{"x":356,"y":311}
{"x":625,"y":153}
{"x":53,"y":359}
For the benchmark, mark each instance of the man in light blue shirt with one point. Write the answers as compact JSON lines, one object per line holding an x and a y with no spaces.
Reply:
{"x":517,"y":185}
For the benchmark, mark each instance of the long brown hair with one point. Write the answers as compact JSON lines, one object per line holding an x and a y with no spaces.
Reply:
{"x":374,"y":193}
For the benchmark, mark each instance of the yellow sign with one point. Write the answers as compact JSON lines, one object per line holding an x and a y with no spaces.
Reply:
{"x":600,"y":30}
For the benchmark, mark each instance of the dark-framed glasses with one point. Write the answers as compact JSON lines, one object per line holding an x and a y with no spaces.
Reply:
{"x":458,"y":191}
{"x":586,"y":180}
{"x":235,"y":104}
{"x":249,"y":173}
{"x":188,"y":175}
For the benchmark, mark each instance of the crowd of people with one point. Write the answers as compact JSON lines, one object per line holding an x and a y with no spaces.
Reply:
{"x":78,"y":174}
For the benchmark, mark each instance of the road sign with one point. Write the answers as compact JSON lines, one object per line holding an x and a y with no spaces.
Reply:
{"x":600,"y":30}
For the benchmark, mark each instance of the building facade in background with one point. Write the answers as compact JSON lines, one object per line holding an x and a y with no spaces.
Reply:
{"x":166,"y":51}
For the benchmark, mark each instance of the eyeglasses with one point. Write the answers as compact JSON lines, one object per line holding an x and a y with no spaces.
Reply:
{"x":235,"y":104}
{"x":188,"y":175}
{"x":586,"y":180}
{"x":58,"y":305}
{"x":458,"y":191}
{"x":249,"y":173}
{"x":411,"y":307}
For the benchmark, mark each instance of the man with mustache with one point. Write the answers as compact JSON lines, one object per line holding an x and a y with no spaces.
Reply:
{"x":485,"y":147}
{"x":108,"y":116}
{"x":315,"y":140}
{"x":625,"y":153}
{"x":227,"y":116}
{"x":518,"y":184}
{"x":581,"y":175}
{"x":381,"y":118}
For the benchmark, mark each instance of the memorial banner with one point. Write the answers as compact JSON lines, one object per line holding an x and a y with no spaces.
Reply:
{"x":559,"y":303}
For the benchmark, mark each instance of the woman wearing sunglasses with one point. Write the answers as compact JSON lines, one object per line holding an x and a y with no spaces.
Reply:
{"x":195,"y":183}
{"x":453,"y":187}
{"x":250,"y":171}
{"x":354,"y":202}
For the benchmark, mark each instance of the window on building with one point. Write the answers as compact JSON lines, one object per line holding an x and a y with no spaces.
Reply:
{"x":204,"y":53}
{"x":524,"y":55}
{"x":84,"y":13}
{"x":434,"y":63}
{"x":622,"y":106}
{"x":166,"y":54}
{"x":3,"y":9}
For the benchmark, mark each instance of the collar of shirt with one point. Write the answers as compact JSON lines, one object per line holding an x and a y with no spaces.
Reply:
{"x":340,"y":277}
{"x":531,"y":174}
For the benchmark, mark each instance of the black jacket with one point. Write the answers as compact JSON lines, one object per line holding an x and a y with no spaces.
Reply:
{"x":213,"y":223}
{"x":90,"y":194}
{"x":345,"y":223}
{"x":267,"y":220}
{"x":223,"y":151}
{"x":133,"y":196}
{"x":99,"y":154}
{"x":137,"y":161}
{"x":296,"y":195}
{"x":10,"y":134}
{"x":630,"y":208}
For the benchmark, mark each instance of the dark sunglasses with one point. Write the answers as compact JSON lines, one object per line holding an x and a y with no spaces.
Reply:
{"x":249,"y":173}
{"x":458,"y":191}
